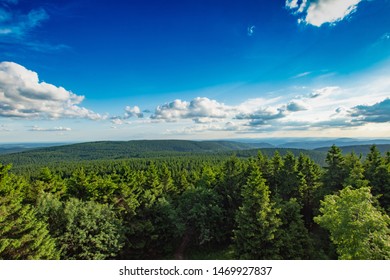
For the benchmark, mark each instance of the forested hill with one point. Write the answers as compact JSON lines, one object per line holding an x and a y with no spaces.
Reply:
{"x":108,"y":150}
{"x":359,"y":149}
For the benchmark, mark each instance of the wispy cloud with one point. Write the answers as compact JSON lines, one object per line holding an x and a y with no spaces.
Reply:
{"x":17,"y":27}
{"x":4,"y":128}
{"x":319,"y":12}
{"x":16,"y":24}
{"x":251,"y":30}
{"x":53,"y":129}
{"x":22,"y":95}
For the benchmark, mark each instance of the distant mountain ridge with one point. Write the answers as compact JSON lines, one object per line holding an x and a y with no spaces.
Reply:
{"x":340,"y":142}
{"x":359,"y":149}
{"x":112,"y":150}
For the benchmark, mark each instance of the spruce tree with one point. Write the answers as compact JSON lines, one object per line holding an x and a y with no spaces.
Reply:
{"x":257,"y":220}
{"x":334,"y":171}
{"x":22,"y":235}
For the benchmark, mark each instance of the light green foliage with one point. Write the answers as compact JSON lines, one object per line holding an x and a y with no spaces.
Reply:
{"x":357,"y":228}
{"x":257,"y":220}
{"x":22,"y":235}
{"x":354,"y":170}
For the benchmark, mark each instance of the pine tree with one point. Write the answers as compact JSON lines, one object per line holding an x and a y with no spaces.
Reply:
{"x":257,"y":220}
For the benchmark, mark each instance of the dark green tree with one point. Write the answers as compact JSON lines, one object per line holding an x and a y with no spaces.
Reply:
{"x":292,"y":239}
{"x":288,"y":177}
{"x":335,"y":173}
{"x":377,"y":172}
{"x":84,"y":230}
{"x":257,"y":220}
{"x":200,"y":214}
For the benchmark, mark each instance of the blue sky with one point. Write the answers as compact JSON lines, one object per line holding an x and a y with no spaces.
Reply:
{"x":151,"y":69}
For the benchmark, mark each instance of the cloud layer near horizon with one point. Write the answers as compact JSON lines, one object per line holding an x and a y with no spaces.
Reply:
{"x":22,"y":95}
{"x":323,"y":108}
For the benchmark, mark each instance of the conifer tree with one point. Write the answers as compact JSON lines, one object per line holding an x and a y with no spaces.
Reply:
{"x":377,"y":172}
{"x":257,"y":220}
{"x":292,"y":238}
{"x":334,"y":171}
{"x":22,"y":235}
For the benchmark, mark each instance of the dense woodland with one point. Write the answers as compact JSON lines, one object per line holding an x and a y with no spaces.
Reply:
{"x":280,"y":206}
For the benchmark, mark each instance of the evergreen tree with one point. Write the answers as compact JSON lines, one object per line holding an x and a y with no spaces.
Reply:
{"x":334,"y":171}
{"x":309,"y":188}
{"x":230,"y":192}
{"x":257,"y":220}
{"x":354,"y":171}
{"x":377,"y":172}
{"x":275,"y":180}
{"x":83,"y":230}
{"x":22,"y":235}
{"x":292,"y":238}
{"x":288,"y":177}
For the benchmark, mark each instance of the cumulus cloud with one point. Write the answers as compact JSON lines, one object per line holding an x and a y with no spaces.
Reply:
{"x":22,"y":95}
{"x":58,"y":128}
{"x":318,"y":12}
{"x":133,"y":112}
{"x":377,"y":113}
{"x":200,"y":107}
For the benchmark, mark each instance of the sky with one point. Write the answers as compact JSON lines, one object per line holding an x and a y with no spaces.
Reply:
{"x":89,"y":70}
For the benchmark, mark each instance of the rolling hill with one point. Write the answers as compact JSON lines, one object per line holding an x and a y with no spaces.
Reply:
{"x":110,"y":150}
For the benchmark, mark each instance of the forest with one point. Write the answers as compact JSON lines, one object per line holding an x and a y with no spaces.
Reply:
{"x":284,"y":205}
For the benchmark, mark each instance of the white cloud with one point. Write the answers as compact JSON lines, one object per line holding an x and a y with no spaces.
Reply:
{"x":200,"y":107}
{"x":133,"y":112}
{"x":58,"y":128}
{"x":318,"y":12}
{"x":22,"y":95}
